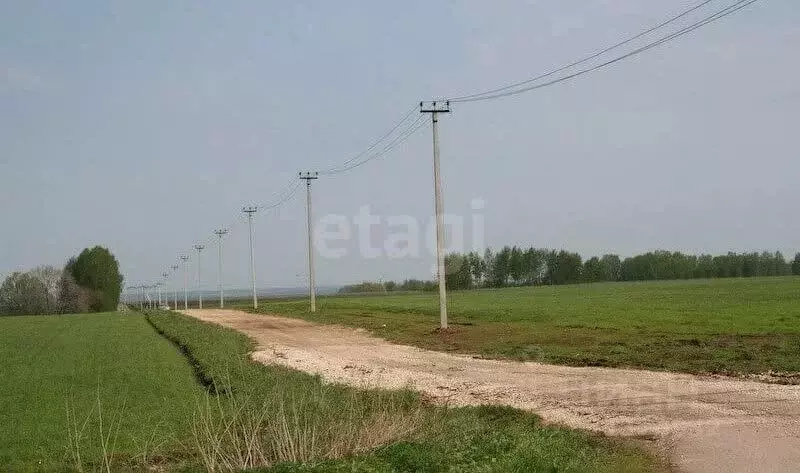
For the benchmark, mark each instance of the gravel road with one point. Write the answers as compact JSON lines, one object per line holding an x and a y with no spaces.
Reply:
{"x":703,"y":424}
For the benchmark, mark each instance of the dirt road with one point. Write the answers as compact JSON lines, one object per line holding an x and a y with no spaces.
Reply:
{"x":704,"y":424}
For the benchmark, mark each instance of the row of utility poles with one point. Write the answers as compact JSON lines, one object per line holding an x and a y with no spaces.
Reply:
{"x":432,"y":108}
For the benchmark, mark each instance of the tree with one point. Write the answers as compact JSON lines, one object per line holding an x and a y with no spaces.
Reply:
{"x":478,"y":267}
{"x":488,"y":267}
{"x":593,"y":270}
{"x":781,"y":267}
{"x":516,"y":269}
{"x":612,"y":267}
{"x":23,"y":294}
{"x":501,"y":267}
{"x":705,"y":267}
{"x":534,"y":265}
{"x":96,"y":270}
{"x":72,"y":299}
{"x":50,"y":277}
{"x":458,"y":274}
{"x":563,"y":267}
{"x":796,"y":265}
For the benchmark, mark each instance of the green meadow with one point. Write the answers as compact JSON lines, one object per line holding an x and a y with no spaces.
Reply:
{"x":747,"y":326}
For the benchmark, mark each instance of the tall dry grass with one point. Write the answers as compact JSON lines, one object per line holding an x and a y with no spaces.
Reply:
{"x":92,"y":431}
{"x":233,"y":432}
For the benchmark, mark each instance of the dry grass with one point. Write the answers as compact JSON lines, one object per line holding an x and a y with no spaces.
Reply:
{"x":92,"y":432}
{"x":234,"y":432}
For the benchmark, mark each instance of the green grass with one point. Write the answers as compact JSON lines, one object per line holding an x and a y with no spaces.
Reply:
{"x":52,"y":363}
{"x":722,"y":325}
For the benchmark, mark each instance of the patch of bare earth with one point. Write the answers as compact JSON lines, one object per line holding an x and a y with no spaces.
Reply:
{"x":706,"y":424}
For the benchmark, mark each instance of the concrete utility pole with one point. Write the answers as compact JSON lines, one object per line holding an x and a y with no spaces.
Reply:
{"x":312,"y":288}
{"x":199,"y":249}
{"x":139,"y":297}
{"x":220,"y":233}
{"x":185,"y":260}
{"x":435,"y":108}
{"x":175,"y":288}
{"x":250,"y":211}
{"x":165,"y":275}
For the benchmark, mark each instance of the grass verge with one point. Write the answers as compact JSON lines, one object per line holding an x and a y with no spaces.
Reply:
{"x":729,"y":326}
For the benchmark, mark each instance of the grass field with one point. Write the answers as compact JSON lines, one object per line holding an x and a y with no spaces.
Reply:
{"x":721,"y":325}
{"x":212,"y":409}
{"x":54,"y":363}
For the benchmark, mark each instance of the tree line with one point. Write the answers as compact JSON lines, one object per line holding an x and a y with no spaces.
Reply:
{"x":89,"y":282}
{"x":515,"y":266}
{"x":390,"y":286}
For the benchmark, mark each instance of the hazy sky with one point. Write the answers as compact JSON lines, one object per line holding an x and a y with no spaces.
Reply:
{"x":144,"y":125}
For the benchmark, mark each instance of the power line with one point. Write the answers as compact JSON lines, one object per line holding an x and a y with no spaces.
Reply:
{"x":287,"y":195}
{"x":410,"y":130}
{"x":587,"y":58}
{"x":406,"y":116}
{"x":280,"y":193}
{"x":504,"y":92}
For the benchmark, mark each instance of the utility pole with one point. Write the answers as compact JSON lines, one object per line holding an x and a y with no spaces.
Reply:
{"x":165,"y":275}
{"x":250,"y":211}
{"x":158,"y":288}
{"x":312,"y":289}
{"x":185,"y":259}
{"x":220,"y":233}
{"x":435,"y":108}
{"x":199,"y":249}
{"x":175,"y":288}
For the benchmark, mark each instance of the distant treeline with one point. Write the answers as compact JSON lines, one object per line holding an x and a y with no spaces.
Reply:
{"x":514,"y":266}
{"x":390,"y":286}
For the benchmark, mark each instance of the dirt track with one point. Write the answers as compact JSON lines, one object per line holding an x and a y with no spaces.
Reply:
{"x":705,"y":424}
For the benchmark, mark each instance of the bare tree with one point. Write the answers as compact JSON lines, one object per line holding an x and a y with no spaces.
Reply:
{"x":72,"y":299}
{"x":23,"y":294}
{"x":51,"y":278}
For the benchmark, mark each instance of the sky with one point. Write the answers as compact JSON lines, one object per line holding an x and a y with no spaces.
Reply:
{"x":143,"y":126}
